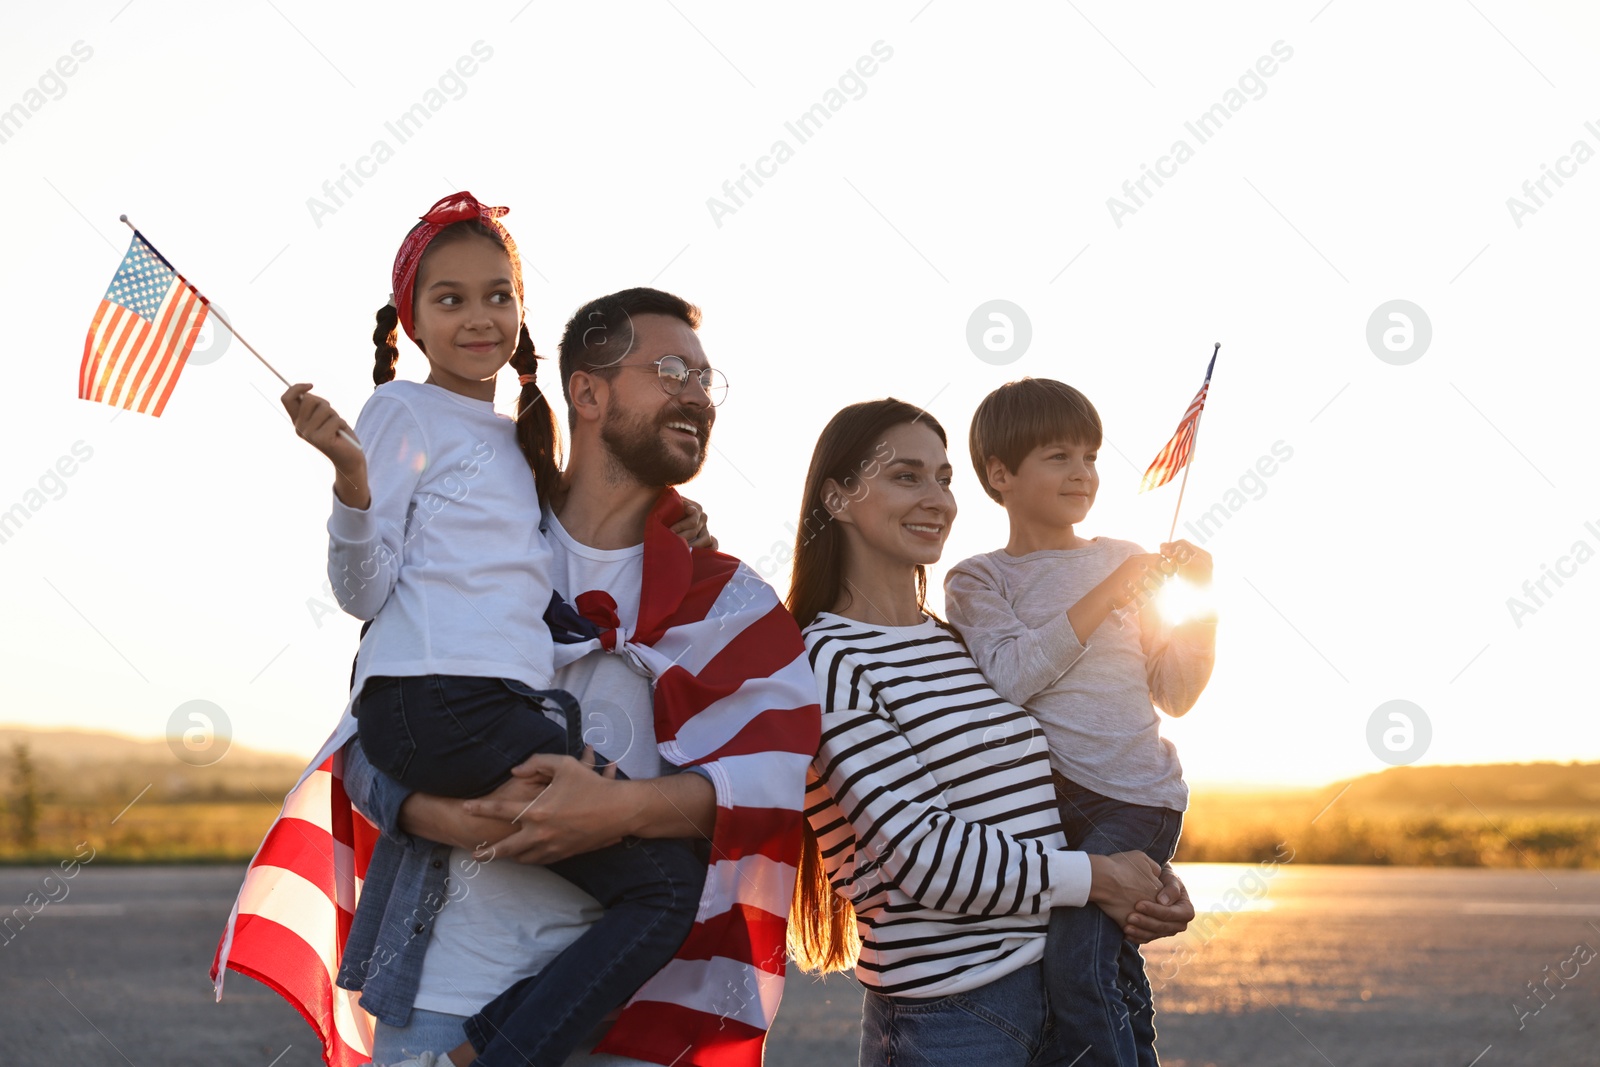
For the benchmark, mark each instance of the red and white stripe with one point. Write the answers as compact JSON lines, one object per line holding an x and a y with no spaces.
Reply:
{"x":1178,"y":450}
{"x":132,"y":362}
{"x":733,"y":693}
{"x":294,"y":910}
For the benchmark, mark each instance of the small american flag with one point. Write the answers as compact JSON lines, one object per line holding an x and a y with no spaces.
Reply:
{"x":142,"y":334}
{"x":1176,"y":454}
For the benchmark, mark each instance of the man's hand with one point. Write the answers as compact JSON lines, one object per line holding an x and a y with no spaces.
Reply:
{"x":1170,"y":913}
{"x":554,"y":807}
{"x":445,"y":820}
{"x":576,"y":810}
{"x":557,"y":807}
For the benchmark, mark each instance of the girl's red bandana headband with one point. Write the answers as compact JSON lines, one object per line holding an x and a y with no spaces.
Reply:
{"x":458,"y":207}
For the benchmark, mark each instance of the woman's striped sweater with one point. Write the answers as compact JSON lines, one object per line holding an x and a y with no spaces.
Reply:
{"x":932,"y":801}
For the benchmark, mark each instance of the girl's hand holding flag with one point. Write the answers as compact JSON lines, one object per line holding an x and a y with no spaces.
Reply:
{"x":143,"y":333}
{"x":316,"y":421}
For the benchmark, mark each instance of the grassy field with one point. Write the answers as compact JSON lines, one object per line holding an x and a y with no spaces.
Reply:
{"x":1219,"y":830}
{"x":134,"y":803}
{"x":1504,"y":815}
{"x":155,"y":832}
{"x":1232,"y":829}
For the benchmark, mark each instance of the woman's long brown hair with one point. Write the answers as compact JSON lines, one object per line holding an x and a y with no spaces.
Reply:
{"x":823,"y":936}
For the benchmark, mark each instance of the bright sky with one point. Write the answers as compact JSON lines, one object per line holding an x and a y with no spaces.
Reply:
{"x":1353,"y":154}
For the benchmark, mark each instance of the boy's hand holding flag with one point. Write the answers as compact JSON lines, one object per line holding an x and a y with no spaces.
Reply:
{"x":1181,"y":558}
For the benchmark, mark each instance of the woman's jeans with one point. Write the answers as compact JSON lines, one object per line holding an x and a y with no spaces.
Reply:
{"x":1099,"y":993}
{"x":460,"y":736}
{"x":1003,"y":1024}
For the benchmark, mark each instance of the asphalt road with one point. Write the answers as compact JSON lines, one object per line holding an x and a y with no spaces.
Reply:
{"x":1316,"y":965}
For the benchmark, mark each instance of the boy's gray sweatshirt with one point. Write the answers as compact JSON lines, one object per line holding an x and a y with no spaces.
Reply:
{"x":1096,"y":702}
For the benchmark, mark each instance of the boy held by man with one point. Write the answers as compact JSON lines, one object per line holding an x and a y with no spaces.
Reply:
{"x":1062,"y":625}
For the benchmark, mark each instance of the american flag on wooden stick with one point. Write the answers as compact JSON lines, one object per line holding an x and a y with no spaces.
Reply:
{"x":1176,"y":454}
{"x":142,"y":334}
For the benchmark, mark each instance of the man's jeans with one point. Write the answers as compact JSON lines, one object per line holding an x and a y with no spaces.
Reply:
{"x":438,"y":1032}
{"x":459,"y":736}
{"x":1099,"y":993}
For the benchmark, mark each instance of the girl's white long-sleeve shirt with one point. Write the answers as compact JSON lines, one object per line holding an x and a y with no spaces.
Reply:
{"x":447,"y":560}
{"x":932,"y":801}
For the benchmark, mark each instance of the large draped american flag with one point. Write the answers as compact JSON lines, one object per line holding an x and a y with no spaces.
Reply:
{"x":733,"y":694}
{"x":142,"y":333}
{"x":1176,"y":454}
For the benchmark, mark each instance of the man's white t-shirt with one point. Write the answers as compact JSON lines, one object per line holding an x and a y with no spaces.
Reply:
{"x":505,"y":921}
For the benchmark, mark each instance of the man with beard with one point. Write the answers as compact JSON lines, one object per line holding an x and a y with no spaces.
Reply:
{"x":455,"y":931}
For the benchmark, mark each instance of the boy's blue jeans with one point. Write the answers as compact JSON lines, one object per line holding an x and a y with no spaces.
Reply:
{"x":460,"y":736}
{"x":1099,"y":994}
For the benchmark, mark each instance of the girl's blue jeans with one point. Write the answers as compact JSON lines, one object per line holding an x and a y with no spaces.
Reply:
{"x":460,"y":736}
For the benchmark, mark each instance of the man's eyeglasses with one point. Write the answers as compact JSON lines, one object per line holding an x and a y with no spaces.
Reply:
{"x":674,"y":374}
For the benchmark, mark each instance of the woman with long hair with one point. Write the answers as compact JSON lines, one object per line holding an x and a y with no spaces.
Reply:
{"x":933,"y":852}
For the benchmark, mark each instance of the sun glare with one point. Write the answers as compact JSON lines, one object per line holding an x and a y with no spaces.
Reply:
{"x":1180,"y":601}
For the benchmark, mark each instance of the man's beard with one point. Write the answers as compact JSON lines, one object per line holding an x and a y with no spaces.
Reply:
{"x":636,"y":446}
